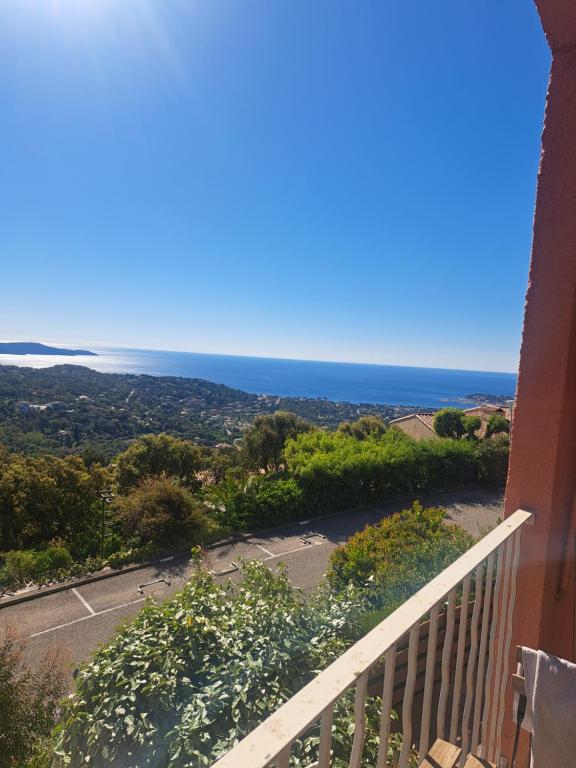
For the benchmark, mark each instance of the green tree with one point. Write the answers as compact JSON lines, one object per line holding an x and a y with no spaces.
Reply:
{"x":364,"y":427}
{"x":47,"y":498}
{"x":157,"y":455}
{"x":164,"y":514}
{"x":449,"y":422}
{"x":471,"y":425}
{"x":264,"y":442}
{"x":497,"y":424}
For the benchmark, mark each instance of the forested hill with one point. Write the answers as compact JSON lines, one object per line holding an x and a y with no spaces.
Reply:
{"x":67,"y":407}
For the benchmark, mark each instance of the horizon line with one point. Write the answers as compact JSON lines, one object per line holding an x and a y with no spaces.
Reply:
{"x":103,"y":345}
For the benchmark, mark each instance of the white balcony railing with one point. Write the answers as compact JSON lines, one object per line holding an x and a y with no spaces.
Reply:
{"x":442,"y":657}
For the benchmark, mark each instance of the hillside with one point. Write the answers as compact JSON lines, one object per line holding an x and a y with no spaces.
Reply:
{"x":34,"y":348}
{"x":66,"y":407}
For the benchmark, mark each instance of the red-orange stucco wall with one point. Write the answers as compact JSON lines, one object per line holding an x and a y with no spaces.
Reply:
{"x":542,"y":475}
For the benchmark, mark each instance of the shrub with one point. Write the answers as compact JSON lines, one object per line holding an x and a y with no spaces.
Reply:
{"x":399,"y":555}
{"x":492,"y":456}
{"x":497,"y":423}
{"x":336,"y":471}
{"x":187,"y":679}
{"x":29,"y":703}
{"x":19,"y":565}
{"x":255,"y":502}
{"x":365,"y":426}
{"x":51,"y":562}
{"x":163,"y":513}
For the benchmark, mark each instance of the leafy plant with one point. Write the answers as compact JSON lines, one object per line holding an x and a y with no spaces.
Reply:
{"x":187,"y":679}
{"x":29,"y":704}
{"x":162,"y":512}
{"x":399,"y":555}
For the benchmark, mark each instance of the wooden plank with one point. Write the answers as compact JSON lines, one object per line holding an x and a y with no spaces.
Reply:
{"x":478,"y":762}
{"x":442,"y":755}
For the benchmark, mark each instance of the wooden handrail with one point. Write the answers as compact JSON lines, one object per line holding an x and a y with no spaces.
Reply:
{"x":271,"y":739}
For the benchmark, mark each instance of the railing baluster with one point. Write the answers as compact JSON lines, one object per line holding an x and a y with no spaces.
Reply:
{"x":326,"y":737}
{"x":460,"y":658}
{"x":509,"y":618}
{"x":471,"y":662}
{"x":446,"y":663}
{"x":482,"y":655}
{"x":359,"y":720}
{"x":502,"y":606}
{"x":409,"y":696}
{"x":387,"y":693}
{"x":492,"y":648}
{"x":424,"y":742}
{"x":269,"y":745}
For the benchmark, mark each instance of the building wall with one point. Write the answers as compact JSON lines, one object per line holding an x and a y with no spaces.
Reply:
{"x":542,"y":475}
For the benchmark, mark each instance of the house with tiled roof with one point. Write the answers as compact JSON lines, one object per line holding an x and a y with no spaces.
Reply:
{"x":420,"y":426}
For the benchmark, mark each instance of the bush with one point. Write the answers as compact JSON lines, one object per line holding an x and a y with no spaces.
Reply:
{"x":187,"y":679}
{"x":255,"y":502}
{"x":492,"y":455}
{"x":162,"y":513}
{"x":399,"y":555}
{"x":337,"y":472}
{"x":29,"y":703}
{"x":52,"y":562}
{"x":19,"y":566}
{"x":497,"y":423}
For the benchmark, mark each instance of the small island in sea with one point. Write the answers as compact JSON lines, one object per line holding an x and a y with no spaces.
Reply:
{"x":35,"y":348}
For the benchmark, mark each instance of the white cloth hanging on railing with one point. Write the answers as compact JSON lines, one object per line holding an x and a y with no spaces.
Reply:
{"x":551,"y":709}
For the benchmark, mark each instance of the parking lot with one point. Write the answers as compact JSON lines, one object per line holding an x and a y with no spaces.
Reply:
{"x":80,"y":618}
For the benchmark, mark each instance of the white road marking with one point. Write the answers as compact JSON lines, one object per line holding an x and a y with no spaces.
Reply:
{"x":166,"y":559}
{"x":84,"y":602}
{"x":263,"y":549}
{"x":85,"y":618}
{"x":291,"y":551}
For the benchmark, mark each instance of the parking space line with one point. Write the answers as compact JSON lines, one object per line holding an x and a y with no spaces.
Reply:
{"x":85,"y":618}
{"x":84,"y":602}
{"x":291,"y":551}
{"x":263,"y":549}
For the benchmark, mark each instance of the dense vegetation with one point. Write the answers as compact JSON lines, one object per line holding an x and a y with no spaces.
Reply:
{"x":399,"y":555}
{"x":69,"y":408}
{"x":187,"y":679}
{"x":64,"y":515}
{"x":29,"y":704}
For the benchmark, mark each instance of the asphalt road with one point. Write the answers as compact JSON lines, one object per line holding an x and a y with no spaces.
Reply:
{"x":77,"y":620}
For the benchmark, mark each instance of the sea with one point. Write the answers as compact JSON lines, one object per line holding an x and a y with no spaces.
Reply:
{"x":352,"y":382}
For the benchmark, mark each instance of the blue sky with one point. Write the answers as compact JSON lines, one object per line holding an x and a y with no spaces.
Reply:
{"x":324,"y":179}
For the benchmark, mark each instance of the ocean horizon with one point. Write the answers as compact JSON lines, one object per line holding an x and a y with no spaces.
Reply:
{"x":352,"y":382}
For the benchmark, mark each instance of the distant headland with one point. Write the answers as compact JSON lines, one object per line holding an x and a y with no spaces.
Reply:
{"x":34,"y":348}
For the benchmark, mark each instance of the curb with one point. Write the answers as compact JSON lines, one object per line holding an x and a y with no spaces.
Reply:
{"x":33,"y":595}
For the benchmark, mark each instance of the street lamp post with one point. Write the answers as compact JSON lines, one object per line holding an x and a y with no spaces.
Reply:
{"x":107,"y":497}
